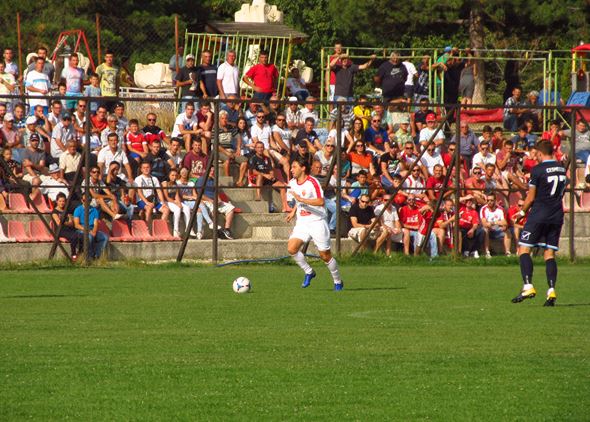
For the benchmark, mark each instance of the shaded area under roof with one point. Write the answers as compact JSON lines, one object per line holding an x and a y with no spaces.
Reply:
{"x":254,"y":28}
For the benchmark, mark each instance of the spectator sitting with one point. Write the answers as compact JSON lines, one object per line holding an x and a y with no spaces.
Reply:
{"x":309,"y":112}
{"x":391,"y":165}
{"x":174,"y":153}
{"x":67,"y":231}
{"x":101,"y":196}
{"x":486,"y":134}
{"x":468,"y":143}
{"x":362,"y":215}
{"x":521,"y":141}
{"x":507,"y":162}
{"x":329,"y":191}
{"x":362,"y":111}
{"x":246,"y":145}
{"x":395,"y":114}
{"x":361,"y":160}
{"x":429,"y":160}
{"x":262,"y":167}
{"x":159,"y":160}
{"x":356,"y":133}
{"x":402,"y":136}
{"x":377,"y":138}
{"x":495,"y":224}
{"x":296,"y":85}
{"x":280,"y":144}
{"x":186,"y":125}
{"x":471,"y":232}
{"x":430,"y":131}
{"x":582,"y":141}
{"x":443,"y":227}
{"x":420,"y":116}
{"x":415,"y":185}
{"x":435,"y":183}
{"x":135,"y":142}
{"x":152,"y":131}
{"x":410,"y":219}
{"x":195,"y":160}
{"x":294,"y":116}
{"x":228,"y":152}
{"x":389,"y":221}
{"x":497,"y":139}
{"x":516,"y":225}
{"x":55,"y":113}
{"x":535,"y":114}
{"x":484,"y":156}
{"x":475,"y":186}
{"x":120,"y":189}
{"x":112,"y":127}
{"x":173,"y":198}
{"x":55,"y":185}
{"x":97,"y":240}
{"x":250,"y":114}
{"x":189,"y":197}
{"x":150,"y":195}
{"x":512,"y":111}
{"x":223,"y":207}
{"x":33,"y":160}
{"x":346,"y":115}
{"x":325,"y":157}
{"x":62,"y":133}
{"x":309,"y":136}
{"x":112,"y":153}
{"x":553,"y":135}
{"x":206,"y":120}
{"x":359,"y":187}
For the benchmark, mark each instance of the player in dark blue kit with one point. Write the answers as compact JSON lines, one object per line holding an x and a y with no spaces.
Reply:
{"x":544,"y":222}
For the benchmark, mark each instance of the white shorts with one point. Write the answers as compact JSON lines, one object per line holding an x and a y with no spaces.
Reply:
{"x":317,"y":231}
{"x":222,"y":207}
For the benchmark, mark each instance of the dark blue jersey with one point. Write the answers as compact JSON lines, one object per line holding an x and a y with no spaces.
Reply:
{"x":550,"y":180}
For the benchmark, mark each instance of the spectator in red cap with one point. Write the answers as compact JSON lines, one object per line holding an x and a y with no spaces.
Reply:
{"x":428,"y":132}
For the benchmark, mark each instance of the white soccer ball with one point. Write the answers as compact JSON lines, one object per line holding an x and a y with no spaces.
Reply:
{"x":241,"y":285}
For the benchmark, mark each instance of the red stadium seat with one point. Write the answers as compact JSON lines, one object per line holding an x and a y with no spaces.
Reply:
{"x":16,"y":230}
{"x":18,"y":204}
{"x":39,"y":232}
{"x":121,"y":232}
{"x":102,"y":226}
{"x":140,"y":231}
{"x":161,"y":231}
{"x":41,"y":204}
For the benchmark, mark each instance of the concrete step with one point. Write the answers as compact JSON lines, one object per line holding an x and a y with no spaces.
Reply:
{"x":271,"y":233}
{"x":240,"y":194}
{"x":244,"y":224}
{"x":252,"y":206}
{"x":225,"y":180}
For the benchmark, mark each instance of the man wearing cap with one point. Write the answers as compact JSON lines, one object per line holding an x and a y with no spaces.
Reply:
{"x":391,"y":77}
{"x":12,"y":137}
{"x":430,"y":130}
{"x":33,"y":160}
{"x":62,"y":133}
{"x":185,"y":79}
{"x":55,"y":184}
{"x":345,"y":70}
{"x":228,"y":76}
{"x":38,"y":84}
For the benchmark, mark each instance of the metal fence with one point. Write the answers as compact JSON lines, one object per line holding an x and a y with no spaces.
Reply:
{"x":271,"y":228}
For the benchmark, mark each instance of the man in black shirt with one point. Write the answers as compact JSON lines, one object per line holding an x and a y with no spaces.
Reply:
{"x":391,"y":77}
{"x":309,"y":136}
{"x":345,"y":69}
{"x":262,"y":167}
{"x":185,"y":78}
{"x":160,"y":162}
{"x":362,"y":216}
{"x":207,"y":76}
{"x":544,"y":222}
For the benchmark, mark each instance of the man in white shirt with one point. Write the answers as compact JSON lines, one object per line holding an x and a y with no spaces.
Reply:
{"x":186,"y":125}
{"x":7,"y":83}
{"x":52,"y":187}
{"x":112,"y":152}
{"x":260,"y":131}
{"x":390,"y":223}
{"x":38,"y":84}
{"x":430,"y":159}
{"x":427,"y":132}
{"x":112,"y":127}
{"x":409,"y":85}
{"x":62,"y":133}
{"x":228,"y":76}
{"x":151,"y":198}
{"x":484,"y":156}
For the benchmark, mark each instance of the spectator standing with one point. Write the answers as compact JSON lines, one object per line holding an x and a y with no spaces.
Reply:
{"x":109,"y":77}
{"x":7,"y":84}
{"x":48,"y":68}
{"x":228,"y":77}
{"x":345,"y":69}
{"x":467,"y":78}
{"x":411,"y":78}
{"x":73,"y":77}
{"x":206,"y":75}
{"x":262,"y":78}
{"x":172,"y":65}
{"x":332,"y":74}
{"x":185,"y":78}
{"x":38,"y":84}
{"x":391,"y":77}
{"x":512,"y":111}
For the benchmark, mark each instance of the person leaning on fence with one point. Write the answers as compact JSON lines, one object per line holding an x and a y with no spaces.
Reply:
{"x":362,"y":215}
{"x":391,"y":77}
{"x":151,"y":198}
{"x":68,"y":230}
{"x":97,"y":240}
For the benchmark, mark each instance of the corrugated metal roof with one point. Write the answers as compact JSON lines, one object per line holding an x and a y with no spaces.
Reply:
{"x":261,"y":29}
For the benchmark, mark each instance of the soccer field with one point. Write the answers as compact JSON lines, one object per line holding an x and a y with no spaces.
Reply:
{"x":410,"y":342}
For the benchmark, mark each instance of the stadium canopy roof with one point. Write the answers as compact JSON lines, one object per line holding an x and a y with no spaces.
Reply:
{"x":257,"y":29}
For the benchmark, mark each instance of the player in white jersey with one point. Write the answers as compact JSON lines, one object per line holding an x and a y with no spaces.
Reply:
{"x":311,"y":223}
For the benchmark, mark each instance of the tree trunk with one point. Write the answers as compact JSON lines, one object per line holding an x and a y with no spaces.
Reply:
{"x":476,"y":40}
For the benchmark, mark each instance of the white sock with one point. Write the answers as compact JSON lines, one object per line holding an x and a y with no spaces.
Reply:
{"x":333,"y":267}
{"x":300,"y":260}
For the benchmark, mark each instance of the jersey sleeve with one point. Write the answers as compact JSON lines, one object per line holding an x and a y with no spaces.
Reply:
{"x":535,"y":175}
{"x":316,"y":186}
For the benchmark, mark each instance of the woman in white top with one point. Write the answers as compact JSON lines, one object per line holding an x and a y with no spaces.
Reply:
{"x":189,"y":196}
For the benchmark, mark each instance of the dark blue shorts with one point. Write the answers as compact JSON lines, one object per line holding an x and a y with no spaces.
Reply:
{"x":540,"y":235}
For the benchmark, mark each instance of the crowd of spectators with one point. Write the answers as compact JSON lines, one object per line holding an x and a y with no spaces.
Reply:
{"x":136,"y":167}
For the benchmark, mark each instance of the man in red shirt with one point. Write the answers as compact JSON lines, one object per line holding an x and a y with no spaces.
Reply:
{"x":516,"y":225}
{"x":263,"y":78}
{"x":410,"y":219}
{"x":206,"y":119}
{"x":195,"y":160}
{"x":471,"y":232}
{"x":444,"y":225}
{"x":435,"y":183}
{"x":99,"y":120}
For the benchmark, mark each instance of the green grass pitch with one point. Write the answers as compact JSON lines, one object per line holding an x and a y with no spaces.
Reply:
{"x":402,"y":342}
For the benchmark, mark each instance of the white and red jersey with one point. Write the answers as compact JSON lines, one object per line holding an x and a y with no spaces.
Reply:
{"x":492,"y":216}
{"x":414,"y":182}
{"x":309,"y":189}
{"x":135,"y":141}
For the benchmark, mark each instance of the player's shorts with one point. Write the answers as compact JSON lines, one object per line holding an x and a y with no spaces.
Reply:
{"x":540,"y":235}
{"x":317,"y":231}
